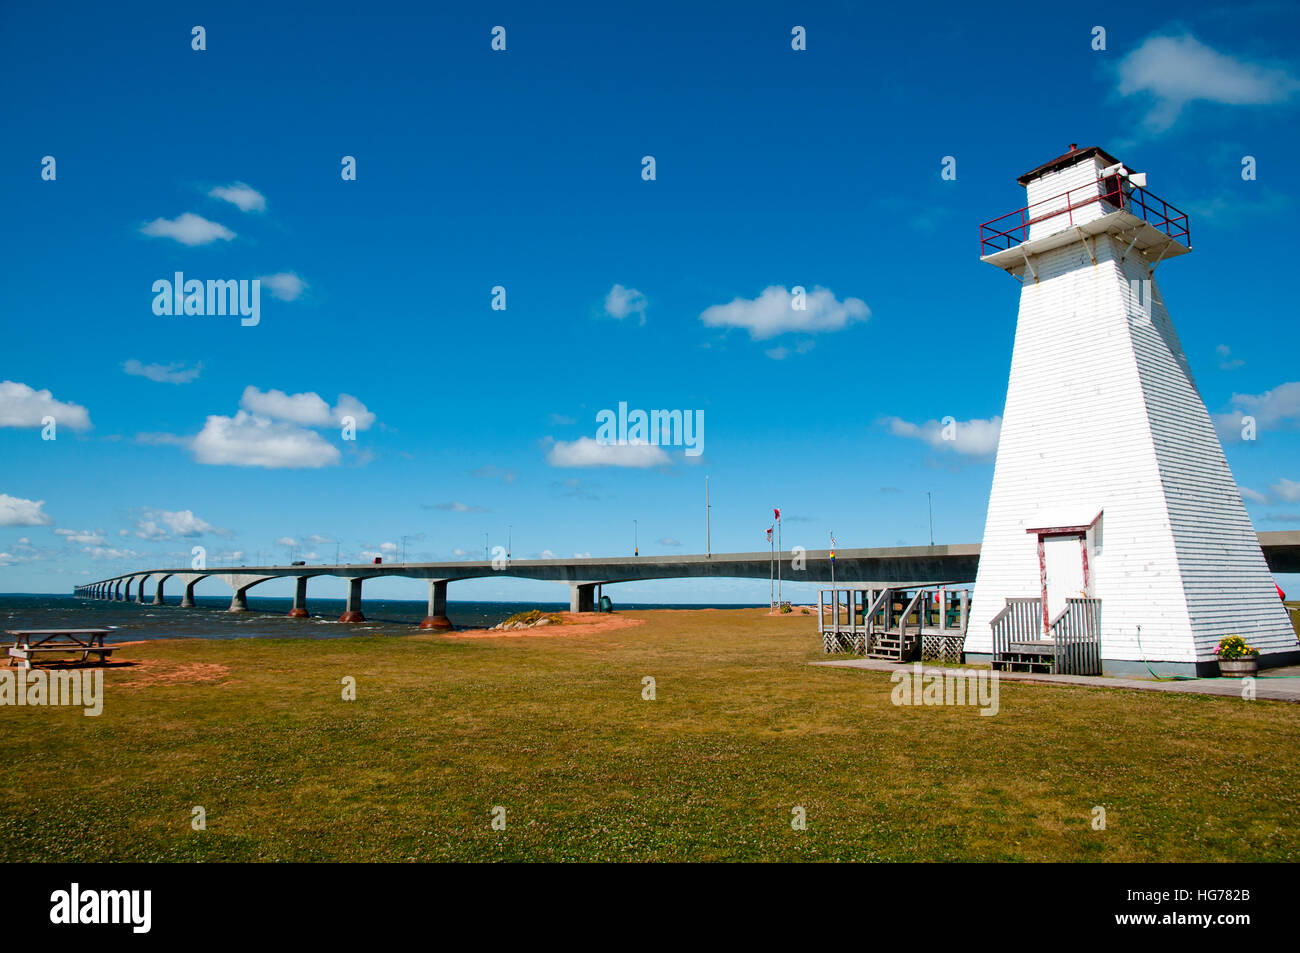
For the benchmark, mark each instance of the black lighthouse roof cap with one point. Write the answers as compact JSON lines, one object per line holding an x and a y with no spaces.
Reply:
{"x":1075,"y":155}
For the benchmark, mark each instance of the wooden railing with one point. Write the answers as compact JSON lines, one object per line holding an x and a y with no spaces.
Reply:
{"x":920,"y":597}
{"x":1020,"y":621}
{"x":1077,"y":634}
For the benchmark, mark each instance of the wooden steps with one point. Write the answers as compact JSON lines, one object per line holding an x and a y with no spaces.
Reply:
{"x":889,"y":645}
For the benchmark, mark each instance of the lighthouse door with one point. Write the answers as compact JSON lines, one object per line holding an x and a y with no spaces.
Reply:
{"x":1063,"y":568}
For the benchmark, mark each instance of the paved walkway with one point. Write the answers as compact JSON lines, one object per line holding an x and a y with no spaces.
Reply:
{"x":1273,"y":683}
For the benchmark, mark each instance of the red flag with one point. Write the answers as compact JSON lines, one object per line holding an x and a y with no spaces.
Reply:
{"x":769,"y":534}
{"x":778,"y":514}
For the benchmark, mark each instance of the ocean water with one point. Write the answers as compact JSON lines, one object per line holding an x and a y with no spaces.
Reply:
{"x":266,"y":618}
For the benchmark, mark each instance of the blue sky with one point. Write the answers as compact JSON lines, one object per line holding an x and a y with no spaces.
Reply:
{"x":774,"y":168}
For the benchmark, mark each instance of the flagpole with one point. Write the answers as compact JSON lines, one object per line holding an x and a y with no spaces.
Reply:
{"x":708,"y":531}
{"x":771,"y":569}
{"x":833,"y":561}
{"x":778,"y":562}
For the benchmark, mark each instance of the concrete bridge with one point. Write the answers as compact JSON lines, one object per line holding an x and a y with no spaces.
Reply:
{"x":897,"y":567}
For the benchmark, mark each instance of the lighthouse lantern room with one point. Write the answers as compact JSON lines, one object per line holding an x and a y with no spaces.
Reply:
{"x":1116,"y":540}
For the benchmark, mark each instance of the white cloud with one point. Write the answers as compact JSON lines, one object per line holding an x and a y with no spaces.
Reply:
{"x":668,"y":541}
{"x":247,"y":198}
{"x":163,"y":373}
{"x":307,"y":409}
{"x":21,"y":406}
{"x":491,"y":472}
{"x":975,"y":438}
{"x":1172,"y":71}
{"x":102,"y":552}
{"x":1226,"y":361}
{"x":458,"y":507}
{"x":163,"y":440}
{"x":773,"y":313}
{"x":284,"y":285}
{"x":587,"y":452}
{"x":1253,"y":495}
{"x":622,"y":302}
{"x":85,"y":537}
{"x":250,"y":440}
{"x":164,"y":524}
{"x":1273,"y":409}
{"x":15,"y":511}
{"x":288,"y":541}
{"x":188,"y":229}
{"x":1287,"y":490}
{"x":349,"y":406}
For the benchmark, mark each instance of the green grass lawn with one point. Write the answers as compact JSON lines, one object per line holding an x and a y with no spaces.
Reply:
{"x":555,"y":730}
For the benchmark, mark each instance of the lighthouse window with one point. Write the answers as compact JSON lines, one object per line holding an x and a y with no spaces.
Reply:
{"x":1111,"y":192}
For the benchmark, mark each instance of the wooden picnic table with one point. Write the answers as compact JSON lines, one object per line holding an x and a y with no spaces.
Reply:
{"x":30,"y":643}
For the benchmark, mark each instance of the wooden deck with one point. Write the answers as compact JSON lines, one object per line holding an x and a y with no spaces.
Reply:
{"x":894,"y":624}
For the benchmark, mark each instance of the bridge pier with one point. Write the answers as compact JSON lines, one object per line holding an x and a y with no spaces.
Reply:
{"x":352,"y":612}
{"x":158,"y":593}
{"x":139,"y":590}
{"x":299,"y":610}
{"x":187,"y":600}
{"x":437,"y":617}
{"x":239,"y":601}
{"x":582,"y":596}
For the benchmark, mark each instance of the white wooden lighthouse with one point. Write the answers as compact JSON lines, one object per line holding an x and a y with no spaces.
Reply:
{"x":1116,"y":538}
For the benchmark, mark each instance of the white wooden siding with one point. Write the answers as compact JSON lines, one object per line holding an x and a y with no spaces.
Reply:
{"x":1047,"y":194}
{"x":1102,"y":412}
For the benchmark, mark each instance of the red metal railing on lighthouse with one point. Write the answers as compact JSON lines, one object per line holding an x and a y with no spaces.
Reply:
{"x":1007,"y":231}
